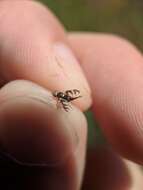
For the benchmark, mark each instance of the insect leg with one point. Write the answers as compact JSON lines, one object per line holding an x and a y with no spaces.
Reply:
{"x":65,"y":104}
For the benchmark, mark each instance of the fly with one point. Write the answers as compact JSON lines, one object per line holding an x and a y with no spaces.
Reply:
{"x":65,"y":97}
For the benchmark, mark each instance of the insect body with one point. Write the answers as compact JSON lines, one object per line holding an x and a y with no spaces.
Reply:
{"x":67,"y":96}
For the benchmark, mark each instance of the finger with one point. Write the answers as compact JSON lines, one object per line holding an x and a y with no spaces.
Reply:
{"x":34,"y":133}
{"x":114,"y":69}
{"x":106,"y":170}
{"x":34,"y":47}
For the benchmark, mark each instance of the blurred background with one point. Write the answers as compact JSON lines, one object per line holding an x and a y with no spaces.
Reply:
{"x":122,"y":17}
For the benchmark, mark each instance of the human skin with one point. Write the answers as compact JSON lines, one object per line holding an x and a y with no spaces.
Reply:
{"x":48,"y":145}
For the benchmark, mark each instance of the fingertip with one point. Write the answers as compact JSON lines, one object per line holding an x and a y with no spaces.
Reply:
{"x":33,"y":131}
{"x":42,"y":54}
{"x":113,"y":67}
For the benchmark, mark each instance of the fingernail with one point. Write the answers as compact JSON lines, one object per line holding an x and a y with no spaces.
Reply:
{"x":34,"y":133}
{"x":70,"y":74}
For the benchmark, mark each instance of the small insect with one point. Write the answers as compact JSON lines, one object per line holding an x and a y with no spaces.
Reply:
{"x":65,"y":97}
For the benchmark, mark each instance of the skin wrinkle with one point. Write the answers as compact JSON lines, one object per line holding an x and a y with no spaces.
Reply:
{"x":59,"y":60}
{"x":59,"y":64}
{"x":132,"y":111}
{"x":115,"y":77}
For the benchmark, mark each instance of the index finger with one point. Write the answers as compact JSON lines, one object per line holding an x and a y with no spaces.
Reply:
{"x":33,"y":46}
{"x":114,"y":68}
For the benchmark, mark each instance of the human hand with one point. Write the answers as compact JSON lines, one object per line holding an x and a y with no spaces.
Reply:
{"x":47,"y":144}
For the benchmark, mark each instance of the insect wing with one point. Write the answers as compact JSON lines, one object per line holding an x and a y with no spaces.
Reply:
{"x":73,"y":93}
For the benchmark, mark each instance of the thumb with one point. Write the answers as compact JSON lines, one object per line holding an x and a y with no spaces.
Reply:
{"x":33,"y":132}
{"x":32,"y":129}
